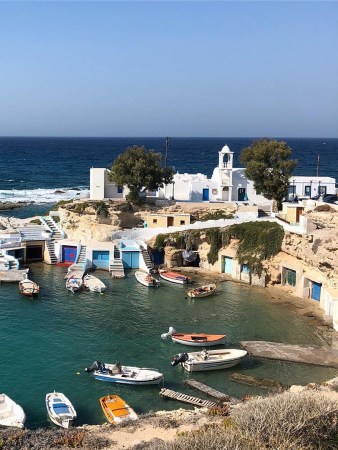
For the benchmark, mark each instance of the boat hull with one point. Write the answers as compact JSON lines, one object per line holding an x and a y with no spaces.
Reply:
{"x":116,"y":410}
{"x":115,"y":373}
{"x":121,"y":380}
{"x":191,"y":367}
{"x":212,"y":359}
{"x":142,"y":278}
{"x":199,"y":343}
{"x":60,"y":410}
{"x":177,"y":279}
{"x":203,"y":291}
{"x":11,"y":414}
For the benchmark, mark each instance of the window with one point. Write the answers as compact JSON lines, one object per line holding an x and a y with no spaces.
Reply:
{"x":119,"y":189}
{"x":245,"y":268}
{"x":154,"y":220}
{"x":182,"y":222}
{"x":307,"y":191}
{"x":322,"y":190}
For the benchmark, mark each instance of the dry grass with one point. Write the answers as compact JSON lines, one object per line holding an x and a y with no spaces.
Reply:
{"x":306,"y":421}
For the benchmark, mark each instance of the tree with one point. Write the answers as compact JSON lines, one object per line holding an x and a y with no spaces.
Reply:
{"x":139,"y":168}
{"x":268,"y":165}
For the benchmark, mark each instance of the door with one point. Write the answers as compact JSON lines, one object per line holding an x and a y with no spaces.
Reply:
{"x":290,"y":277}
{"x":130,"y":260}
{"x":68,"y":253}
{"x":34,"y":253}
{"x":241,"y":194}
{"x":205,"y":195}
{"x":170,"y":221}
{"x":101,"y":259}
{"x":227,"y":265}
{"x":315,"y":291}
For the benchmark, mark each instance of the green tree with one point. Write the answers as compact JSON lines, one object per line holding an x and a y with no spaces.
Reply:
{"x":268,"y":165}
{"x":139,"y":168}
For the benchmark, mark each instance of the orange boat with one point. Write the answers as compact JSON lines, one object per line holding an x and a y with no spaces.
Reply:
{"x":116,"y":410}
{"x":195,"y":339}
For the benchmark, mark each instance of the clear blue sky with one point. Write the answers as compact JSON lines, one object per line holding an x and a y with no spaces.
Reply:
{"x":169,"y":68}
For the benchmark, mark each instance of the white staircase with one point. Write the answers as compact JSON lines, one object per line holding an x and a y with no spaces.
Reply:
{"x":32,"y":233}
{"x":8,"y":262}
{"x":57,"y":233}
{"x":82,"y":255}
{"x":51,"y":251}
{"x":116,"y":265}
{"x":147,"y":259}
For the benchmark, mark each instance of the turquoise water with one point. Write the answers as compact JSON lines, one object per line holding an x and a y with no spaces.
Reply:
{"x":47,"y":341}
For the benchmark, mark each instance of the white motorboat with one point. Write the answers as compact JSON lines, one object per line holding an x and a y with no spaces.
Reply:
{"x":93,"y":284}
{"x":174,"y":277}
{"x":146,"y":279}
{"x":116,"y":373}
{"x":60,"y":409}
{"x":74,"y":281}
{"x":209,"y":359}
{"x":28,"y":287}
{"x":195,"y":339}
{"x":11,"y":414}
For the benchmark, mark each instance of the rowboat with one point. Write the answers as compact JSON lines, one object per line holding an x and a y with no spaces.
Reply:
{"x":146,"y":279}
{"x":116,"y":410}
{"x":28,"y":287}
{"x":11,"y":414}
{"x":209,"y":359}
{"x":202,"y":291}
{"x":93,"y":284}
{"x":74,"y":282}
{"x":116,"y":373}
{"x":60,"y":409}
{"x":195,"y":339}
{"x":174,"y":277}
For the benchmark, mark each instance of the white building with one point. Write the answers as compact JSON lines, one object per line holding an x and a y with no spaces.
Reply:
{"x":227,"y":184}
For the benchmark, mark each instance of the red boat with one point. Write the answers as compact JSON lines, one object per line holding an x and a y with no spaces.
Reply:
{"x":174,"y":277}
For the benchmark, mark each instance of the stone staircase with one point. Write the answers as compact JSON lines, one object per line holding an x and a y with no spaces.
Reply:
{"x":51,"y":251}
{"x":147,"y":259}
{"x":264,"y":211}
{"x":116,"y":268}
{"x":57,"y":233}
{"x":82,"y":255}
{"x":8,"y":262}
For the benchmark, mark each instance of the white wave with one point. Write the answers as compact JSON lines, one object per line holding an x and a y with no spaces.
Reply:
{"x":42,"y":195}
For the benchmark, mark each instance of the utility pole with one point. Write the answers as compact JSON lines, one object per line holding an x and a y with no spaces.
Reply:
{"x":318,"y":165}
{"x":167,"y":142}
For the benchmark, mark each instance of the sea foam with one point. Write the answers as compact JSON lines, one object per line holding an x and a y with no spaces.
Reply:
{"x":42,"y":195}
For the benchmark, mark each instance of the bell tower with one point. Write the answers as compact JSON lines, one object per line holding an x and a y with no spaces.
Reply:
{"x":225,"y":165}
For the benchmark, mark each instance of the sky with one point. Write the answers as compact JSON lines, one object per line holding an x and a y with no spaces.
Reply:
{"x":167,"y":68}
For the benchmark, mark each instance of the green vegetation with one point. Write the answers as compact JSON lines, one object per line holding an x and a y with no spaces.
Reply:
{"x":35,"y":221}
{"x":215,"y":215}
{"x":101,"y":209}
{"x":139,"y":168}
{"x":304,"y":421}
{"x":258,"y":241}
{"x":268,"y":165}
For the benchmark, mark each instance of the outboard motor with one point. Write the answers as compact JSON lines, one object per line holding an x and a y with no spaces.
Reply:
{"x":180,"y":358}
{"x":97,"y":365}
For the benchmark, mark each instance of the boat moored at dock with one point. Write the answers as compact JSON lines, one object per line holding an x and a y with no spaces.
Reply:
{"x":209,"y":359}
{"x":74,"y":281}
{"x":93,"y":284}
{"x":28,"y":287}
{"x":60,"y":409}
{"x":202,"y":291}
{"x":174,"y":277}
{"x":11,"y":414}
{"x":116,"y":410}
{"x":146,"y":279}
{"x":195,"y":339}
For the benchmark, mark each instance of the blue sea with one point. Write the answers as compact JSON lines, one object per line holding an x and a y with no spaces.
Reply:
{"x":45,"y":170}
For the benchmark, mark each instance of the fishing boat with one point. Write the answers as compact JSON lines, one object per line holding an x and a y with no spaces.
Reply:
{"x":116,"y":373}
{"x":28,"y":287}
{"x":209,"y":359}
{"x":195,"y":339}
{"x":174,"y":277}
{"x":74,"y":282}
{"x":146,"y":279}
{"x":93,"y":284}
{"x":11,"y":414}
{"x":116,"y":410}
{"x":60,"y":409}
{"x":202,"y":291}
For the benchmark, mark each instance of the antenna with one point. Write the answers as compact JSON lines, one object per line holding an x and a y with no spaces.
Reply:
{"x":318,"y":165}
{"x":167,"y":142}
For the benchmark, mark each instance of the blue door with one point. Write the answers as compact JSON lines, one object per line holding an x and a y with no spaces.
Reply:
{"x":205,"y":195}
{"x":101,"y":259}
{"x":68,"y":254}
{"x":227,"y":265}
{"x":130,"y":260}
{"x":241,"y":194}
{"x":315,"y":291}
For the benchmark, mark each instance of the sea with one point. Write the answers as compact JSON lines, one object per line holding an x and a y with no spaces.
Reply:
{"x":46,"y":170}
{"x":47,"y":342}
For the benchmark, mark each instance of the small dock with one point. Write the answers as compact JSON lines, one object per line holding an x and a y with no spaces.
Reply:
{"x":13,"y":275}
{"x":195,"y":401}
{"x":294,"y":353}
{"x":220,"y":396}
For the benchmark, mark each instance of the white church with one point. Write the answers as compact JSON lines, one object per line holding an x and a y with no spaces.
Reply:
{"x":227,"y":184}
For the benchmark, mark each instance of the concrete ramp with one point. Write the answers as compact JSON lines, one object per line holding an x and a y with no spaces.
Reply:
{"x":294,"y":353}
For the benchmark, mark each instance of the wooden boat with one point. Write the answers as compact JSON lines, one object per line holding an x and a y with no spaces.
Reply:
{"x":93,"y":284}
{"x":174,"y":277}
{"x":209,"y":359}
{"x":11,"y":414}
{"x":60,"y":409}
{"x":146,"y":279}
{"x":74,"y":282}
{"x":116,"y":373}
{"x":202,"y":291}
{"x":116,"y":410}
{"x":28,"y":287}
{"x":195,"y":339}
